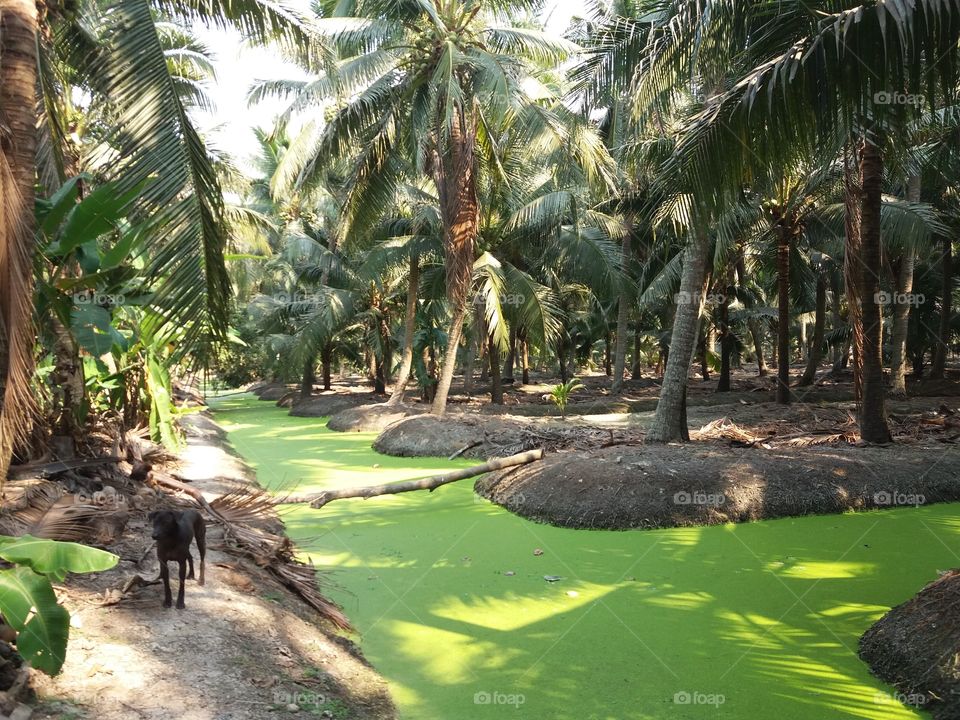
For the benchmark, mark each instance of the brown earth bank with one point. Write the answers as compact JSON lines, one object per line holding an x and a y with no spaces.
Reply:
{"x":322,"y":405}
{"x":372,"y":418}
{"x":709,"y":482}
{"x":914,"y":647}
{"x":471,"y":435}
{"x":244,"y":648}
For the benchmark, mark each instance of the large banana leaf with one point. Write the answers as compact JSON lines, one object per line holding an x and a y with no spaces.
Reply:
{"x":55,"y":558}
{"x":30,"y":607}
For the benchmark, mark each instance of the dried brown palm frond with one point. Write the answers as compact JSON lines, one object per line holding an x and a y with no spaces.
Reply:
{"x":277,"y":555}
{"x":17,"y":407}
{"x":245,"y":504}
{"x":274,"y":552}
{"x":303,"y":579}
{"x":724,"y":428}
{"x":825,"y":439}
{"x":64,"y":517}
{"x":34,"y":492}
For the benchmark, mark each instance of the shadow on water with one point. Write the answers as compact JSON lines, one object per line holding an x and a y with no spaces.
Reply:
{"x":759,"y":620}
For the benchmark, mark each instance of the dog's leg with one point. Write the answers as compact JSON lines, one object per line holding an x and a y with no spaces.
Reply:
{"x":165,"y":576}
{"x":200,"y":533}
{"x":183,"y":579}
{"x":190,"y":562}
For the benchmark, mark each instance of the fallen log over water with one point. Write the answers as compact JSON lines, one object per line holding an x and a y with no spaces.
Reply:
{"x":318,"y":500}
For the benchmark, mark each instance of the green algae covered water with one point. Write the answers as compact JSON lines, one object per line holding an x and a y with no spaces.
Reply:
{"x":448,"y":594}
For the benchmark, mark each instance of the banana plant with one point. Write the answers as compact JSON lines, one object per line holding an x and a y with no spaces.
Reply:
{"x":27,"y":599}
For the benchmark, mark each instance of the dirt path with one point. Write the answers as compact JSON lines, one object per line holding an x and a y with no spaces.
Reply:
{"x":244,"y":648}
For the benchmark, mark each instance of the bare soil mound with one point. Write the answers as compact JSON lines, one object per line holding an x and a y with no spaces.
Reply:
{"x":485,"y":436}
{"x":702,"y":483}
{"x":273,"y":392}
{"x":433,"y":436}
{"x":322,"y":405}
{"x":914,"y":647}
{"x":371,"y":418}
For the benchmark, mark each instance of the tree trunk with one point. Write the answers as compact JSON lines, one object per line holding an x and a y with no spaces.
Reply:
{"x":496,"y":387}
{"x":636,"y":372}
{"x":756,"y":333}
{"x":607,"y":354}
{"x":903,"y":287}
{"x":469,"y":360}
{"x":326,"y":360}
{"x":18,"y":162}
{"x":511,"y":355}
{"x":816,"y":349}
{"x":851,"y":265}
{"x":459,"y":209}
{"x":445,"y":380}
{"x":670,"y":422}
{"x":783,"y":311}
{"x":946,"y":295}
{"x":320,"y":499}
{"x":727,"y":343}
{"x":409,"y":328}
{"x":525,"y":358}
{"x":839,"y":348}
{"x":623,"y":316}
{"x":309,"y":375}
{"x":379,"y":376}
{"x":704,"y":365}
{"x":562,"y":358}
{"x":873,"y":421}
{"x":69,"y":389}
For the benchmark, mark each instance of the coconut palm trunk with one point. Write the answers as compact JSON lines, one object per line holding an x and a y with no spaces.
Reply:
{"x":903,"y":285}
{"x":819,"y":325}
{"x":670,"y":421}
{"x":460,"y":214}
{"x":943,"y":334}
{"x":496,"y":386}
{"x":851,"y":267}
{"x":309,"y":376}
{"x":409,"y":327}
{"x":623,"y":315}
{"x":727,"y":343}
{"x":873,"y":421}
{"x":783,"y":312}
{"x":326,"y":361}
{"x":755,"y":331}
{"x":18,"y":144}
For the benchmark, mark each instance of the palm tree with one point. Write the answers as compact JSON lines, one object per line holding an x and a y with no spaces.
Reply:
{"x":789,"y":91}
{"x":426,"y":81}
{"x":119,"y":58}
{"x":18,"y":31}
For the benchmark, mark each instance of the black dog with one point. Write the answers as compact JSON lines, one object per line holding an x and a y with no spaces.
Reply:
{"x":174,"y":531}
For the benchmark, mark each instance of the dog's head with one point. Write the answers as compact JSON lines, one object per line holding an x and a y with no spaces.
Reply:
{"x":164,"y":523}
